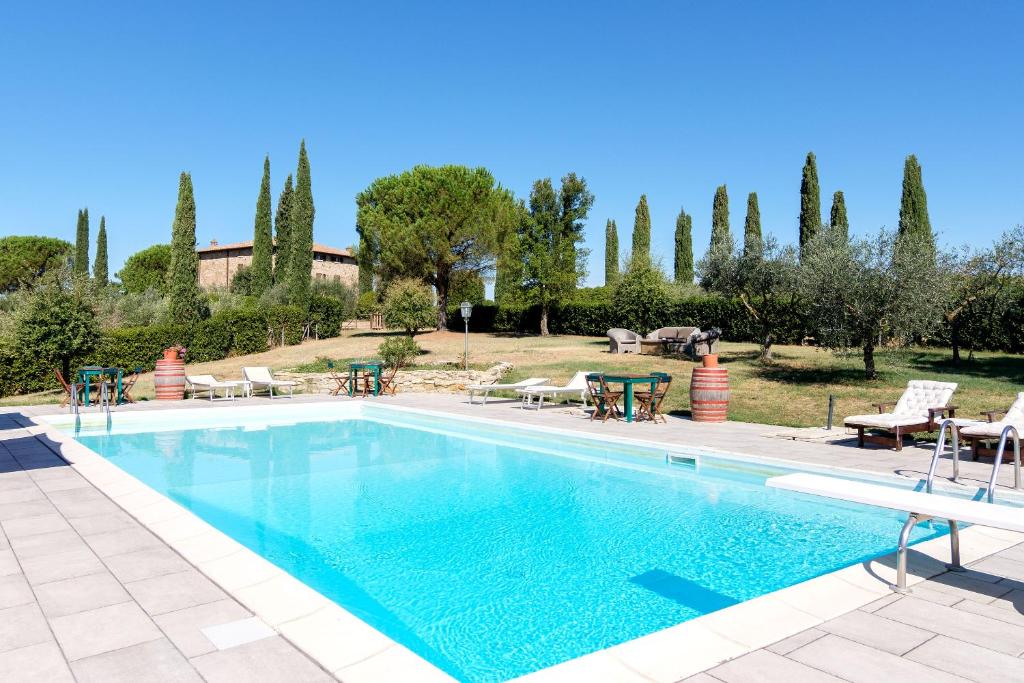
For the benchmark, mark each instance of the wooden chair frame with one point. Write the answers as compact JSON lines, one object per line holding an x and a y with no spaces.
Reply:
{"x":387,"y":382}
{"x":650,"y":401}
{"x":71,"y":391}
{"x":893,"y":437}
{"x":127,"y":385}
{"x":606,"y":401}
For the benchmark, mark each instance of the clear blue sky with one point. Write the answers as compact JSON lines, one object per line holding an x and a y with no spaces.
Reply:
{"x":103,"y":104}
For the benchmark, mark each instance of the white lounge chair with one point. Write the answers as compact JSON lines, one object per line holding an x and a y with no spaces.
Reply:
{"x":210,"y":385}
{"x":921,"y":403}
{"x":918,"y":505}
{"x":978,"y":433}
{"x":486,"y":389}
{"x":261,"y":378}
{"x":577,"y":386}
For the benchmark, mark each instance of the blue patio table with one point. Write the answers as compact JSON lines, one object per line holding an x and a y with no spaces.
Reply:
{"x":363,"y":369}
{"x":86,"y":374}
{"x":628,"y":380}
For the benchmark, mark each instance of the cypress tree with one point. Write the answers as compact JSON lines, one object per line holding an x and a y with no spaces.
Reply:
{"x":262,"y":267}
{"x":81,"y":265}
{"x":284,"y":233}
{"x":752,"y":226}
{"x":720,"y":218}
{"x":837,"y":218}
{"x":100,"y":271}
{"x":914,"y":222}
{"x":642,"y":230}
{"x":810,"y":202}
{"x":300,"y":262}
{"x":183,"y":273}
{"x":684,"y":248}
{"x":611,"y":252}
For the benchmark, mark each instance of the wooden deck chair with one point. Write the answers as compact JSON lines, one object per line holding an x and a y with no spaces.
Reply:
{"x":387,"y":381}
{"x":650,"y":401}
{"x":127,"y":384}
{"x":71,"y":391}
{"x":920,"y":409}
{"x":605,"y":400}
{"x":340,"y":381}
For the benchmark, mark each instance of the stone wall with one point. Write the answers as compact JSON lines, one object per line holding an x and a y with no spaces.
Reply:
{"x":441,"y":380}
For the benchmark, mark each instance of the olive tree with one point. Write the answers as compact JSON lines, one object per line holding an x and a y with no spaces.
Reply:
{"x":764,"y":276}
{"x":56,"y":324}
{"x":869,"y":291}
{"x":409,"y":306}
{"x":642,"y":295}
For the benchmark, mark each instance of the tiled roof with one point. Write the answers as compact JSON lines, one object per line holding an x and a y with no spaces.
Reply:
{"x":317,"y":248}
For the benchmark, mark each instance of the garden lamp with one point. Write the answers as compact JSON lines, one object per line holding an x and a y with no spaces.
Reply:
{"x":467,"y":310}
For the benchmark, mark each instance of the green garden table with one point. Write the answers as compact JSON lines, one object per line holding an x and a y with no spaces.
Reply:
{"x":91,"y":371}
{"x":627,"y":381}
{"x":355,"y":370}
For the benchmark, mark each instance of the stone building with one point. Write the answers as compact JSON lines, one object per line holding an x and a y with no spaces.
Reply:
{"x":218,"y":263}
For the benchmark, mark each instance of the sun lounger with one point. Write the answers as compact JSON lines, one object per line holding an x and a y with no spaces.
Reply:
{"x":980,"y":433}
{"x":921,"y":403}
{"x":210,"y":385}
{"x":486,"y":389}
{"x":577,"y":386}
{"x":918,"y":505}
{"x":261,"y":378}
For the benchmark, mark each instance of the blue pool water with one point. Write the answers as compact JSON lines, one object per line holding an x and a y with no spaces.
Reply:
{"x":493,"y":554}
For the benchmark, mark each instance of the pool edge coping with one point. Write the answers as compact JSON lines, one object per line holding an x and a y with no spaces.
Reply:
{"x":317,"y":625}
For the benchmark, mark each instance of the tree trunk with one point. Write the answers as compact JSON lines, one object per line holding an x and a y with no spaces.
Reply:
{"x":954,"y":338}
{"x":442,"y":303}
{"x":869,"y":361}
{"x":544,"y":320}
{"x":766,"y":348}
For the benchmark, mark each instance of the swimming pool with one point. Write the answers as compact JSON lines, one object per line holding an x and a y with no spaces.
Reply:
{"x":494,"y":551}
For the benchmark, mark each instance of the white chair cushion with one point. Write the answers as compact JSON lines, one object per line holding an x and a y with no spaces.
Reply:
{"x":921,"y":395}
{"x":1016,"y":412}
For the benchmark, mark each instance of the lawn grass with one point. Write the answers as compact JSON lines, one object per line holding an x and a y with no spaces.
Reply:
{"x":793,"y":390}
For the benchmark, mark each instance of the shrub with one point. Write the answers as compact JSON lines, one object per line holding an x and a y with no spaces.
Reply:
{"x":241,"y":281}
{"x":409,"y":306}
{"x":398,"y":351}
{"x":287,"y":319}
{"x":641,"y":297}
{"x":367,"y":305}
{"x":248,"y":330}
{"x":210,"y":339}
{"x":56,"y":324}
{"x":326,"y":314}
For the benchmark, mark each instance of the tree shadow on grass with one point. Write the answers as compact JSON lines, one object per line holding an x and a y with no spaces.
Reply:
{"x":796,"y":375}
{"x":1006,"y":367}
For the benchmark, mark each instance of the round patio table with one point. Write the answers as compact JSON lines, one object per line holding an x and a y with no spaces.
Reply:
{"x":627,"y":380}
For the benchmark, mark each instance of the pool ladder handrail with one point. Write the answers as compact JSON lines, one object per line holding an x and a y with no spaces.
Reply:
{"x":940,"y":446}
{"x":999,"y":459}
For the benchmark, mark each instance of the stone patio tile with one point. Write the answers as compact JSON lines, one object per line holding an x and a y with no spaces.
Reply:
{"x":80,"y":594}
{"x":123,"y":541}
{"x":14,"y":590}
{"x":993,"y":611}
{"x":42,"y":545}
{"x":701,"y":678}
{"x":31,"y":508}
{"x":1001,"y":566}
{"x":761,"y":666}
{"x":65,"y":565}
{"x":13,"y":481}
{"x":103,"y":523}
{"x":969,"y":586}
{"x":862,"y":664}
{"x":30,"y":526}
{"x":70,"y":481}
{"x":145,"y":564}
{"x":877,"y":632}
{"x":184,"y":627}
{"x":83,"y":502}
{"x":103,"y":630}
{"x":22,"y":626}
{"x":170,"y":592}
{"x":42,"y":662}
{"x":8,"y":563}
{"x":155,"y":661}
{"x":924,"y":591}
{"x":267,"y":661}
{"x":787,"y":645}
{"x":969,"y":661}
{"x":21,"y":494}
{"x":958,"y":624}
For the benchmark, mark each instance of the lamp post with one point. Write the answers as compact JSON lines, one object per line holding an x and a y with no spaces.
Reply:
{"x":467,"y":310}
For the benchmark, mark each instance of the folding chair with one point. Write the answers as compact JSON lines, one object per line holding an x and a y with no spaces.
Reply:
{"x":71,"y":391}
{"x":387,"y":382}
{"x":339,"y":380}
{"x":127,"y":384}
{"x":650,"y":401}
{"x":605,"y":400}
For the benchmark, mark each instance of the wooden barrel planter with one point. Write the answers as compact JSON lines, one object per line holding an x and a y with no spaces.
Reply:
{"x":709,"y":394}
{"x":169,"y":378}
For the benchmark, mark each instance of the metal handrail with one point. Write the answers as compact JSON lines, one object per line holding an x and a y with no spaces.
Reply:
{"x":941,"y":446}
{"x":999,"y":459}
